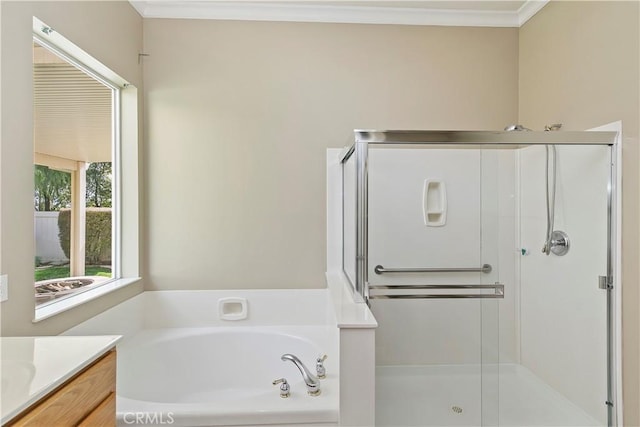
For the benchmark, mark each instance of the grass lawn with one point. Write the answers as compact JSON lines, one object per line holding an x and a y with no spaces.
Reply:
{"x":62,"y":271}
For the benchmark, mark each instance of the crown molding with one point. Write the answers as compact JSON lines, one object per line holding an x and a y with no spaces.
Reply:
{"x":529,"y":9}
{"x":300,"y":12}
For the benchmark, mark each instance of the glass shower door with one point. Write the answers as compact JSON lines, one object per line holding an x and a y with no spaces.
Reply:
{"x":434,"y":286}
{"x":530,"y":340}
{"x":563,"y":312}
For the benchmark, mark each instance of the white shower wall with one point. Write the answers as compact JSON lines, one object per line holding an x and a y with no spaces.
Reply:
{"x":480,"y":219}
{"x":552,"y":318}
{"x":562,"y":310}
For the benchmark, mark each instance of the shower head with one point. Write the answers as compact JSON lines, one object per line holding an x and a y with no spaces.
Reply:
{"x":517,"y":128}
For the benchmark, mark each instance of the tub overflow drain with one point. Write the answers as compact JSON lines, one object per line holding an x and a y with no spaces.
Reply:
{"x":456,"y":409}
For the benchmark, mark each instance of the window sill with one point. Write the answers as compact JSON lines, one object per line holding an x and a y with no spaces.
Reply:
{"x":68,"y":303}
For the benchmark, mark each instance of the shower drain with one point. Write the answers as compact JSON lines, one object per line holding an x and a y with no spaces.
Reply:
{"x":456,"y":409}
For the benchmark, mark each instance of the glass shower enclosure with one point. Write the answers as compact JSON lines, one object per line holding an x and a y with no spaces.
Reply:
{"x":488,"y":259}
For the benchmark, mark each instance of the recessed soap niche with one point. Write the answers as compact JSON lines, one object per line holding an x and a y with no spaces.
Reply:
{"x":434,"y":203}
{"x":233,"y":308}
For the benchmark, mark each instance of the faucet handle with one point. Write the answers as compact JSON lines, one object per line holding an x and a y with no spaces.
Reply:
{"x":284,"y":388}
{"x":321,"y":372}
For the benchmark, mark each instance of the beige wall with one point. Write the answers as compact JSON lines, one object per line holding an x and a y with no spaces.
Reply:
{"x":579,"y":66}
{"x":112,"y":33}
{"x":240,"y":114}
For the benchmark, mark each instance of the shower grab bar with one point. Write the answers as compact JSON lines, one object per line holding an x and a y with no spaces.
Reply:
{"x":486,"y":268}
{"x":497,"y":287}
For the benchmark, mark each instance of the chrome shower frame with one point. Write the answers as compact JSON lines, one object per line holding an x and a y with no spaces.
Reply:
{"x":490,"y":139}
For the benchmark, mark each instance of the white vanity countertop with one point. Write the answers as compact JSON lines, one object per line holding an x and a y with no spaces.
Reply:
{"x":32,"y":367}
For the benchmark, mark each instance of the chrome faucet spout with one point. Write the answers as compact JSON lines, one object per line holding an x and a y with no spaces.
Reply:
{"x":312,"y":382}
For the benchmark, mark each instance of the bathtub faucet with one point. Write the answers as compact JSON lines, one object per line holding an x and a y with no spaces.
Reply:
{"x":312,"y":382}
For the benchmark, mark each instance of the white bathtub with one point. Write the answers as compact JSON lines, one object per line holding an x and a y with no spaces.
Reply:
{"x":223,"y":376}
{"x":179,"y":364}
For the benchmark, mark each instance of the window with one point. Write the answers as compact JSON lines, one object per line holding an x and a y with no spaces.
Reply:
{"x":78,"y":128}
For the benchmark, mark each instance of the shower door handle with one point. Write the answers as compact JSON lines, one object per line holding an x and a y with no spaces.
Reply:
{"x":498,"y":291}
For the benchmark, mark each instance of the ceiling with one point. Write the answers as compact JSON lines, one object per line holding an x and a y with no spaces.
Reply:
{"x":443,"y":12}
{"x":72,"y":111}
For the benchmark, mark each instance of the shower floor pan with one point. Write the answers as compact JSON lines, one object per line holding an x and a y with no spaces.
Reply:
{"x":449,"y":395}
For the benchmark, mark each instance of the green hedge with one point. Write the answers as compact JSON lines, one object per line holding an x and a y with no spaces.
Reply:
{"x":64,"y":231}
{"x":97,"y":238}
